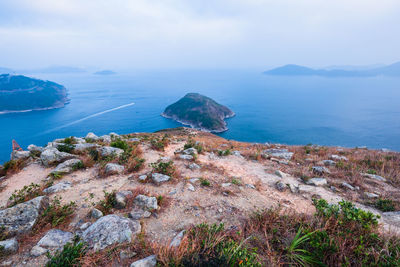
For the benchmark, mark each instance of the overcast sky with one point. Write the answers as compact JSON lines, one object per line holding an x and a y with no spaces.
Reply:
{"x":120,"y":34}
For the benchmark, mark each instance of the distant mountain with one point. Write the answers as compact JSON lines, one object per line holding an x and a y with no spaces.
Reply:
{"x":297,"y":70}
{"x":199,"y":112}
{"x":21,"y":93}
{"x":105,"y":72}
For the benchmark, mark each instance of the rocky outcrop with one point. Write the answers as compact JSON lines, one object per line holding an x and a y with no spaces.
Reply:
{"x":9,"y":246}
{"x":58,"y":187}
{"x":20,"y":218}
{"x":145,"y":202}
{"x":106,"y":151}
{"x":51,"y":156}
{"x":20,"y":155}
{"x":67,"y":166}
{"x":317,"y":181}
{"x":277,"y":153}
{"x":53,"y":239}
{"x":109,"y":230}
{"x":113,"y":168}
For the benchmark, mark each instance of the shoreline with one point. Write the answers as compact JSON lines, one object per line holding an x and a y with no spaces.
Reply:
{"x":35,"y":109}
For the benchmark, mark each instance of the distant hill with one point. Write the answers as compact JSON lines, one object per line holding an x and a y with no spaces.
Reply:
{"x":199,"y":112}
{"x":105,"y":72}
{"x":21,"y":93}
{"x":297,"y":70}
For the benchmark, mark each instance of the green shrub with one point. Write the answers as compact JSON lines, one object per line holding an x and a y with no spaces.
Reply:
{"x":204,"y":182}
{"x":385,"y":205}
{"x":107,"y":203}
{"x":191,"y":143}
{"x":68,"y":148}
{"x":370,"y":171}
{"x":78,"y":165}
{"x":166,"y":168}
{"x":223,"y":153}
{"x":69,"y":256}
{"x":70,"y":140}
{"x":28,"y":192}
{"x":118,"y":143}
{"x":159,"y":144}
{"x":236,"y":181}
{"x":56,"y":213}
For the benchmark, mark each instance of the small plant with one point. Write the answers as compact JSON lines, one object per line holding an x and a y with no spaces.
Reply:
{"x":56,"y":213}
{"x":159,"y":144}
{"x":370,"y":171}
{"x":204,"y":182}
{"x":68,"y":148}
{"x":385,"y":205}
{"x":236,"y":181}
{"x":13,"y":166}
{"x":28,"y":192}
{"x":56,"y":175}
{"x":118,"y":143}
{"x":107,"y":203}
{"x":296,"y":254}
{"x":166,"y":168}
{"x":191,"y":143}
{"x":69,"y":256}
{"x":78,"y":165}
{"x":70,"y":140}
{"x":223,"y":153}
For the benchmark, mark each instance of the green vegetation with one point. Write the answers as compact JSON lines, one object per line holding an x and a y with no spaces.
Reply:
{"x":56,"y":213}
{"x":107,"y":203}
{"x":159,"y":144}
{"x":68,"y":148}
{"x":192,"y":144}
{"x":118,"y":143}
{"x":69,"y":256}
{"x":204,"y":182}
{"x":28,"y":192}
{"x":166,"y":168}
{"x":70,"y":140}
{"x":13,"y":166}
{"x":236,"y":181}
{"x":385,"y":205}
{"x":225,"y":152}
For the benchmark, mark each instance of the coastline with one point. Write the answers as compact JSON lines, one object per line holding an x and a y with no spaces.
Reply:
{"x":35,"y":109}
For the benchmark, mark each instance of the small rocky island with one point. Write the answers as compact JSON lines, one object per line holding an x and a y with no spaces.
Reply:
{"x":20,"y":93}
{"x":199,"y":112}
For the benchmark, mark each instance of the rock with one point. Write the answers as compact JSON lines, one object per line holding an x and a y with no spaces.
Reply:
{"x":134,"y":139}
{"x":58,"y":187}
{"x":329,"y":162}
{"x":20,"y":218}
{"x":279,"y":153}
{"x":280,"y":173}
{"x":55,"y":239}
{"x":145,"y":202}
{"x":114,"y":135}
{"x":237,"y":153}
{"x":91,"y":136}
{"x":68,"y":166}
{"x":37,"y":251}
{"x":320,"y":170}
{"x":280,"y":186}
{"x":113,"y":168}
{"x":121,"y":198}
{"x":20,"y":155}
{"x":374,"y":177}
{"x":317,"y":181}
{"x":393,"y":217}
{"x":226,"y":184}
{"x":124,"y":254}
{"x":142,"y":178}
{"x":250,"y":186}
{"x":85,"y":146}
{"x":35,"y":149}
{"x":9,"y":246}
{"x":190,"y":151}
{"x":79,"y":140}
{"x":370,"y":195}
{"x":385,"y":150}
{"x":138,"y":214}
{"x":96,"y":214}
{"x":294,"y":188}
{"x":150,"y":261}
{"x":177,"y":239}
{"x":109,"y":230}
{"x":105,"y":138}
{"x":51,"y":155}
{"x":348,"y":186}
{"x":194,"y":180}
{"x":186,"y":157}
{"x":194,"y":166}
{"x":106,"y":151}
{"x":190,"y":187}
{"x":84,"y":226}
{"x":160,"y":178}
{"x":337,"y":157}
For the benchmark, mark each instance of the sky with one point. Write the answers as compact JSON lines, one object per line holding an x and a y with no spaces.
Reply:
{"x":151,"y":34}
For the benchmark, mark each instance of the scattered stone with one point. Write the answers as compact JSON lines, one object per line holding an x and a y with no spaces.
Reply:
{"x":294,"y":188}
{"x":320,"y":170}
{"x":280,"y":186}
{"x":173,"y":192}
{"x":35,"y":149}
{"x":55,"y":239}
{"x":143,"y":178}
{"x":92,"y":136}
{"x":250,"y":186}
{"x":51,"y":155}
{"x":84,"y":226}
{"x":160,"y":178}
{"x":9,"y":246}
{"x":134,"y":140}
{"x":333,"y":188}
{"x":20,"y":218}
{"x":109,"y":230}
{"x":190,"y":187}
{"x":226,"y":184}
{"x":138,"y":214}
{"x":121,"y":198}
{"x":370,"y":195}
{"x":329,"y":162}
{"x":106,"y":151}
{"x":348,"y":186}
{"x":190,"y":151}
{"x":67,"y":166}
{"x":280,"y":173}
{"x":150,"y":261}
{"x":96,"y":213}
{"x":125,"y":254}
{"x":317,"y":181}
{"x":337,"y":157}
{"x":85,"y":146}
{"x":177,"y":240}
{"x":145,"y":202}
{"x":58,"y":187}
{"x":36,"y":251}
{"x":278,"y":153}
{"x":194,"y":166}
{"x":113,"y":168}
{"x":374,"y":177}
{"x":20,"y":155}
{"x":194,"y":180}
{"x":186,"y":157}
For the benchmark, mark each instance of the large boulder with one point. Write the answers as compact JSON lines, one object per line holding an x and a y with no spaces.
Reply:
{"x":91,"y":137}
{"x":113,"y":168}
{"x":160,"y":178}
{"x":9,"y":246}
{"x":21,"y":218}
{"x":145,"y":202}
{"x":109,"y":230}
{"x":20,"y":155}
{"x":67,"y":166}
{"x":109,"y":151}
{"x":58,"y":187}
{"x":51,"y":156}
{"x":150,"y":261}
{"x":277,"y":153}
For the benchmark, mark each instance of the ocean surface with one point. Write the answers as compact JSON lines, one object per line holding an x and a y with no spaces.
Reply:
{"x":291,"y":110}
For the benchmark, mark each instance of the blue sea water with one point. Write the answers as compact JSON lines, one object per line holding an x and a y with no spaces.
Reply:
{"x":292,"y":110}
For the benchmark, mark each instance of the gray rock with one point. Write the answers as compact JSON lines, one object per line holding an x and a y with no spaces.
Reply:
{"x":348,"y":186}
{"x":237,"y":153}
{"x":190,"y":151}
{"x":278,"y":153}
{"x":194,"y":180}
{"x":337,"y":157}
{"x":190,"y":187}
{"x":58,"y":187}
{"x":85,"y":146}
{"x":51,"y":155}
{"x":150,"y":261}
{"x":160,"y":178}
{"x":105,"y":138}
{"x":84,"y":226}
{"x":9,"y":246}
{"x":113,"y":168}
{"x":109,"y":151}
{"x":37,"y":251}
{"x":109,"y":230}
{"x":121,"y":198}
{"x":294,"y":188}
{"x":374,"y":177}
{"x":194,"y":166}
{"x":320,"y":170}
{"x":20,"y":155}
{"x":317,"y":181}
{"x":138,"y":214}
{"x":186,"y":157}
{"x":79,"y":140}
{"x":329,"y":162}
{"x":96,"y":214}
{"x":134,"y":139}
{"x":35,"y":149}
{"x":370,"y":195}
{"x":226,"y":184}
{"x":124,"y":254}
{"x":142,"y":178}
{"x":177,"y":239}
{"x":145,"y":202}
{"x":20,"y":218}
{"x":250,"y":186}
{"x":114,"y":135}
{"x":280,"y":186}
{"x":67,"y":166}
{"x":280,"y":173}
{"x":92,"y":136}
{"x":55,"y":238}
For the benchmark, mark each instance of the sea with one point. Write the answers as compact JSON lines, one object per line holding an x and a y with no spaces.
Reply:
{"x":295,"y":110}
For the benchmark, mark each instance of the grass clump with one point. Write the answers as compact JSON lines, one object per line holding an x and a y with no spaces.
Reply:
{"x":69,"y":256}
{"x":166,"y":168}
{"x":28,"y":192}
{"x":70,"y":140}
{"x":192,"y":144}
{"x":13,"y":166}
{"x":236,"y":181}
{"x":68,"y":148}
{"x":118,"y":143}
{"x":385,"y":205}
{"x":131,"y":158}
{"x":105,"y":205}
{"x":56,"y":213}
{"x":223,"y":153}
{"x":204,"y":182}
{"x":159,"y":144}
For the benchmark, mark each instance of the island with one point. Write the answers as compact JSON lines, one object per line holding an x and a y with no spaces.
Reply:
{"x":19,"y":93}
{"x":199,"y":112}
{"x":105,"y":72}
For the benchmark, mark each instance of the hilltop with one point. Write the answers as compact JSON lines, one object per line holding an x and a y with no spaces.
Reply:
{"x":199,"y":112}
{"x":21,"y":93}
{"x":156,"y":197}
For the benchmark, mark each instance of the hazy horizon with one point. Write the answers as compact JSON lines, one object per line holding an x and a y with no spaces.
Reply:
{"x":177,"y":34}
